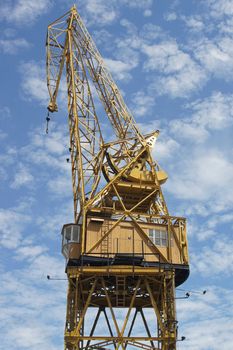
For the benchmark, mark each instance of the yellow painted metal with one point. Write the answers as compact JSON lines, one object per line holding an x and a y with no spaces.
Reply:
{"x":118,"y":206}
{"x":141,"y":293}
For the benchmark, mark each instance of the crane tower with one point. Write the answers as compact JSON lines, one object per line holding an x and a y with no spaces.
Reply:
{"x":125,"y":254}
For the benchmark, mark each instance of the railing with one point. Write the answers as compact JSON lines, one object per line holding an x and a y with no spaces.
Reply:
{"x":112,"y":260}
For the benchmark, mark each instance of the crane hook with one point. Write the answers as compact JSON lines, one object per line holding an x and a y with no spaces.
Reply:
{"x":47,"y":123}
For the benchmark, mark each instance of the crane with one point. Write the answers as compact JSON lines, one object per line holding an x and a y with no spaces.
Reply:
{"x":124,"y":251}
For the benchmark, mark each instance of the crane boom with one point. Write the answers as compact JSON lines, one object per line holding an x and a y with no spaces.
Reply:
{"x":69,"y":43}
{"x":85,"y":135}
{"x":119,"y":115}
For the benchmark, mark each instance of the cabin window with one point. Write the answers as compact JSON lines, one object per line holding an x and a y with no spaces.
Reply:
{"x":75,"y":234}
{"x":71,"y":233}
{"x":158,"y":237}
{"x":68,"y":231}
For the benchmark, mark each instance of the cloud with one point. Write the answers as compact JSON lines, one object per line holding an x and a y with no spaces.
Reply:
{"x":48,"y":150}
{"x":34,"y":82}
{"x":12,"y":46}
{"x":46,"y":155}
{"x":5,"y":113}
{"x":60,"y":185}
{"x":189,"y":130}
{"x":142,"y":103}
{"x":33,"y":306}
{"x":24,"y":12}
{"x":202,"y":173}
{"x":220,"y":220}
{"x":216,"y":56}
{"x":40,"y":163}
{"x":209,"y":260}
{"x":119,"y":69}
{"x":102,"y":13}
{"x":205,"y":321}
{"x":139,"y":4}
{"x":211,"y":113}
{"x":165,"y":147}
{"x":171,"y":16}
{"x":12,"y":224}
{"x":3,"y":135}
{"x":22,"y":177}
{"x":220,"y":8}
{"x":147,"y":13}
{"x":194,"y":23}
{"x":150,"y":33}
{"x":29,"y":336}
{"x":207,"y":335}
{"x":179,"y":75}
{"x":214,"y":112}
{"x":226,"y":27}
{"x":200,"y":177}
{"x":30,"y":252}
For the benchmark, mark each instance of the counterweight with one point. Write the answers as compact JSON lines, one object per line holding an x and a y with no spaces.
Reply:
{"x":123,"y":251}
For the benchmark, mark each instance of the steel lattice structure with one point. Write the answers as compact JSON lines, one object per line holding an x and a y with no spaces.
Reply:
{"x":124,"y":250}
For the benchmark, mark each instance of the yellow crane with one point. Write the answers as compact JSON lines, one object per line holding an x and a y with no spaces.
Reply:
{"x":124,"y":250}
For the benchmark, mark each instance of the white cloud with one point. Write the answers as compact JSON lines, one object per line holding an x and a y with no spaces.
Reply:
{"x":40,"y":163}
{"x":5,"y":113}
{"x":22,"y":177}
{"x":207,"y":335}
{"x":205,"y":320}
{"x":139,"y":4}
{"x":220,"y":220}
{"x":149,"y":33}
{"x":214,"y":112}
{"x":101,"y":12}
{"x":32,"y":305}
{"x":34,"y":82}
{"x":181,"y":74}
{"x":166,"y":57}
{"x":165,"y":147}
{"x":3,"y":135}
{"x":194,"y":23}
{"x":204,"y":175}
{"x":12,"y":224}
{"x":30,"y":252}
{"x":142,"y":103}
{"x":51,"y":225}
{"x":226,"y":27}
{"x":61,"y":185}
{"x":216,"y":55}
{"x":171,"y":16}
{"x":211,"y":113}
{"x":219,"y":8}
{"x":12,"y":46}
{"x":29,"y":336}
{"x":147,"y":13}
{"x":24,"y":11}
{"x":119,"y":69}
{"x":209,"y":260}
{"x":189,"y":130}
{"x":147,"y":128}
{"x":48,"y":150}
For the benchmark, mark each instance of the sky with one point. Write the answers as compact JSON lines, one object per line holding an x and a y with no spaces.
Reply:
{"x":173,"y":61}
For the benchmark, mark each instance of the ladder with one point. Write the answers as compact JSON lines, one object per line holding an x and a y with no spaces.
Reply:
{"x":120,"y":291}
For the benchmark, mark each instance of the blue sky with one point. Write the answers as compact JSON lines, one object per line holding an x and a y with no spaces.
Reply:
{"x":173,"y":61}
